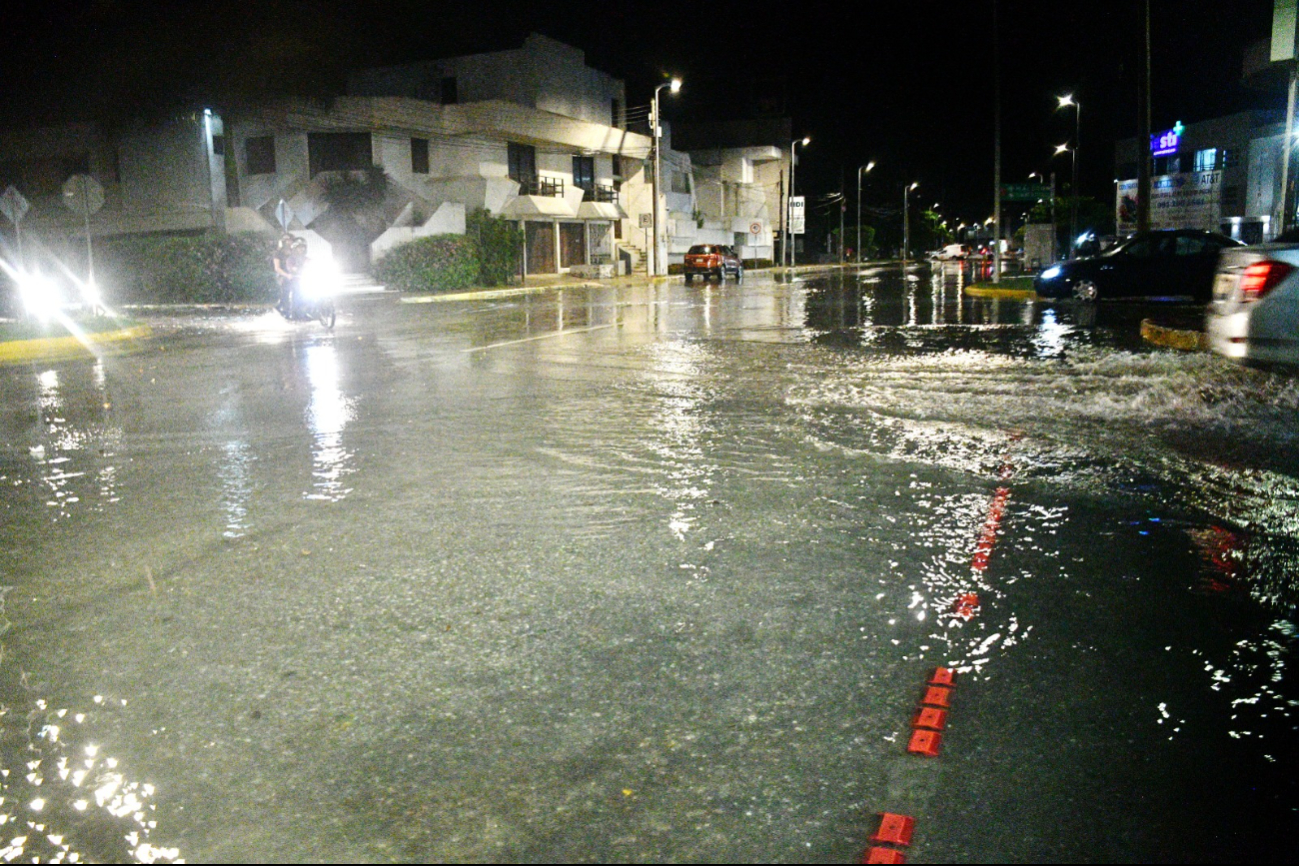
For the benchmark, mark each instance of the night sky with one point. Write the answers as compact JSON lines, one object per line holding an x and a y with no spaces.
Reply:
{"x":910,"y":86}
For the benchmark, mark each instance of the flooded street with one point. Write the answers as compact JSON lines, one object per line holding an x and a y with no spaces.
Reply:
{"x":651,"y":573}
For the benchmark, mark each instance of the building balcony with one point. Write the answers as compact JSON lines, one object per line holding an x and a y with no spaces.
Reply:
{"x":600,"y":193}
{"x":543,"y":186}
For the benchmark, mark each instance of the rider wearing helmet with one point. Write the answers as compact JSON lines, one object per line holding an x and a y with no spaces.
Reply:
{"x":282,"y":259}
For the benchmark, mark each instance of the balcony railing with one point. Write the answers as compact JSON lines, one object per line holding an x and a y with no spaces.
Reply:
{"x":601,"y":193}
{"x":549,"y":186}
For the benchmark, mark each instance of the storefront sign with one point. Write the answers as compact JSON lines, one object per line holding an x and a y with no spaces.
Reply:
{"x":1164,"y":143}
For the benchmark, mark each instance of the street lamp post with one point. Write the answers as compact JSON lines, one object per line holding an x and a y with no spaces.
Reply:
{"x":1067,"y":101}
{"x":674,"y":86}
{"x":1073,"y":214}
{"x":861,"y":168}
{"x":789,"y":200}
{"x":906,"y":223}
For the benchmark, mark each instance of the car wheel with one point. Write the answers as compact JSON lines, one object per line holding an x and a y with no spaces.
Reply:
{"x":1085,"y":290}
{"x":721,"y":274}
{"x":739,"y":275}
{"x":689,"y":277}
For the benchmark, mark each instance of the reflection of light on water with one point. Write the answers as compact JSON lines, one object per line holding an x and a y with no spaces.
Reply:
{"x":327,"y":414}
{"x":677,"y":421}
{"x":236,"y":488}
{"x":1049,"y":338}
{"x":63,"y":787}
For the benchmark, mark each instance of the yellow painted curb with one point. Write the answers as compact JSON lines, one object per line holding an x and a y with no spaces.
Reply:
{"x":61,"y":348}
{"x":1172,"y":338}
{"x":1008,"y":294}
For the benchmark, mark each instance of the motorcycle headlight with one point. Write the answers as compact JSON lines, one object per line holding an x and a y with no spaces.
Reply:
{"x":320,"y":278}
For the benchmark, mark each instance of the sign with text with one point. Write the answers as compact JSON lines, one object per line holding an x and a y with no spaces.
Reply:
{"x":1191,"y":200}
{"x":1025,"y":192}
{"x":796,"y":214}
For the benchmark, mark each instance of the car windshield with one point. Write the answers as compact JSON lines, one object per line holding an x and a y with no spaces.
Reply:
{"x":701,"y":250}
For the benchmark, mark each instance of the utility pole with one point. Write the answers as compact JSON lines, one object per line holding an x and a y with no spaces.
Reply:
{"x":996,"y":171}
{"x":1143,"y":137}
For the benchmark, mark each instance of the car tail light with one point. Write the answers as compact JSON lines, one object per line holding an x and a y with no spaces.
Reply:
{"x":1261,"y":278}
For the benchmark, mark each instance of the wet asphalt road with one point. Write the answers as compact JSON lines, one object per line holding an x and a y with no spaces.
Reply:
{"x":650,"y":573}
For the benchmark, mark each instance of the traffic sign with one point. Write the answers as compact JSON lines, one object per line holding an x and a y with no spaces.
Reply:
{"x":83,"y":195}
{"x":14,"y":205}
{"x":1025,"y":191}
{"x":284,"y":214}
{"x":755,"y":228}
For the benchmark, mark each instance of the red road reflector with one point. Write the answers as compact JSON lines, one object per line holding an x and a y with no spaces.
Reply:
{"x":937,"y":696}
{"x":894,"y":829}
{"x":943,"y":677}
{"x":968,"y":604}
{"x":929,"y":717}
{"x":883,"y":855}
{"x":924,"y":742}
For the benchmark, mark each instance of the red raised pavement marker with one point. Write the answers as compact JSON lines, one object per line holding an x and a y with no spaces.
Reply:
{"x":929,"y":717}
{"x":925,"y":742}
{"x":894,"y":829}
{"x":877,"y":854}
{"x":937,"y":696}
{"x":943,"y":677}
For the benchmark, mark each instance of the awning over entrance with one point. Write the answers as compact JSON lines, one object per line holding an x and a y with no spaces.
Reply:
{"x":601,"y":210}
{"x":532,"y":206}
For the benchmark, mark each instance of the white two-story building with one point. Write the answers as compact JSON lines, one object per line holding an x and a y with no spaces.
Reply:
{"x":531,"y":134}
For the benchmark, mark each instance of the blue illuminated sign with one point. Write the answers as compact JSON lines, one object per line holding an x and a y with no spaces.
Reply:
{"x":1164,"y":143}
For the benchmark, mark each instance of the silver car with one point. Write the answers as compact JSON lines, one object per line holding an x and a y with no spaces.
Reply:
{"x":1254,"y":314}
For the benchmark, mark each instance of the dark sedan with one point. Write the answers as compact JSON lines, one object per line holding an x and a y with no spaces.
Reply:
{"x":1160,"y":264}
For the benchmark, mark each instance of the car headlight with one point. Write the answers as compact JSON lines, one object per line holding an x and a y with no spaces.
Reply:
{"x":1052,"y":272}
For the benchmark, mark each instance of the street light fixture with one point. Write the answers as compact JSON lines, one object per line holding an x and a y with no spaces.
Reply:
{"x":906,"y":223}
{"x":861,"y":168}
{"x":674,"y":86}
{"x":789,"y":200}
{"x":1067,"y":101}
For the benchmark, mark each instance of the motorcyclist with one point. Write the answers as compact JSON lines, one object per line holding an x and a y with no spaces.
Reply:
{"x":284,"y":275}
{"x":296,"y":262}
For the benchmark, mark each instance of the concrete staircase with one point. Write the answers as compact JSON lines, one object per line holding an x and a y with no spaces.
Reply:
{"x":640,"y":260}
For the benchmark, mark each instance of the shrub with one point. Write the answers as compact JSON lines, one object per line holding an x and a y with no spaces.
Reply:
{"x":187,"y":269}
{"x":441,"y":263}
{"x":499,"y":242}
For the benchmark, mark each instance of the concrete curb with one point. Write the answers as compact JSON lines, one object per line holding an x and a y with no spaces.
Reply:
{"x":1173,"y":338}
{"x":65,"y":348}
{"x":1007,"y":294}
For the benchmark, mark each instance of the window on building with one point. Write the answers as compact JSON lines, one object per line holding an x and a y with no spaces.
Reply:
{"x":615,"y":113}
{"x":219,"y":145}
{"x":259,"y":154}
{"x":522,"y":159}
{"x":681,"y":182}
{"x":339,"y":151}
{"x":1206,"y":160}
{"x":419,"y":155}
{"x":584,"y":172}
{"x":1228,"y":158}
{"x":617,"y":166}
{"x":449,"y":96}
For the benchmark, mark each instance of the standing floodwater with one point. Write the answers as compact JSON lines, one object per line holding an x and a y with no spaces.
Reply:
{"x":649,"y":573}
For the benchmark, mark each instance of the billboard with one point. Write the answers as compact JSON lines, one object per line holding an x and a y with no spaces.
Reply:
{"x":796,"y":213}
{"x":1191,"y":200}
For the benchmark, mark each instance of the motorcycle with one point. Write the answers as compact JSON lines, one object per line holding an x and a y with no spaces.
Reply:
{"x":311,"y":296}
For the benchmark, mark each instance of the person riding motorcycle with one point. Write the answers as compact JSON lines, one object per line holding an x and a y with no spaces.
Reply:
{"x":285,"y":276}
